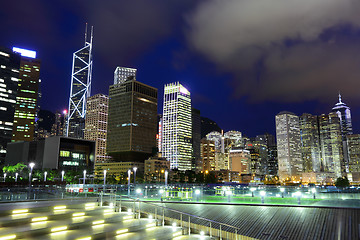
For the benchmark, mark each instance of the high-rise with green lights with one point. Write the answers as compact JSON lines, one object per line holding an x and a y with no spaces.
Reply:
{"x":26,"y":99}
{"x":177,"y":127}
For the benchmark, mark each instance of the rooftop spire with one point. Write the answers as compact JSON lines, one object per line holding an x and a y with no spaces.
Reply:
{"x":339,"y":97}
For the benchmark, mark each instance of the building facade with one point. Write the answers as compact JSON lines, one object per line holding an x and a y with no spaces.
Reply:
{"x":132,"y":122}
{"x":239,"y":160}
{"x":122,"y":74}
{"x":208,"y":154}
{"x":9,"y":77}
{"x":353,"y":144}
{"x":344,"y":114}
{"x":80,"y":88}
{"x":96,"y":124}
{"x":177,"y":127}
{"x":197,"y":164}
{"x":27,"y":96}
{"x":288,"y":147}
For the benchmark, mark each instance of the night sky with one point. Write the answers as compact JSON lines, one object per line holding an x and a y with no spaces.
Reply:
{"x":243,"y":61}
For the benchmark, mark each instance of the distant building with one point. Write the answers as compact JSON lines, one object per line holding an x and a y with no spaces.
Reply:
{"x":154,"y":169}
{"x":310,"y":143}
{"x":331,"y":144}
{"x":268,"y":158}
{"x":58,"y":128}
{"x":288,"y":146}
{"x":196,"y":139}
{"x":132,"y":122}
{"x":53,"y":153}
{"x":96,"y":122}
{"x":81,"y":78}
{"x":208,"y":154}
{"x":239,"y":161}
{"x":118,"y":169}
{"x":122,"y":74}
{"x":26,"y":99}
{"x":344,"y":114}
{"x":177,"y":127}
{"x":353,"y":144}
{"x":9,"y":78}
{"x":208,"y":126}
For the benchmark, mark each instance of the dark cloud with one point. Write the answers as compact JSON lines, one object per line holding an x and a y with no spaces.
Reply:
{"x":276,"y":50}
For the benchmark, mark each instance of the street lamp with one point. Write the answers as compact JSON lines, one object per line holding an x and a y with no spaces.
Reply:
{"x":84,"y":177}
{"x":166,"y":177}
{"x":252,"y":191}
{"x":45,"y":174}
{"x":129,"y":173}
{"x":228,"y":194}
{"x":135,"y":168}
{"x":197,"y":193}
{"x":313,"y":191}
{"x":62,"y":175}
{"x":104,"y":177}
{"x":16,"y":176}
{"x":4,"y":176}
{"x":298,"y":194}
{"x":282,"y":190}
{"x":31,"y":165}
{"x":262,"y":194}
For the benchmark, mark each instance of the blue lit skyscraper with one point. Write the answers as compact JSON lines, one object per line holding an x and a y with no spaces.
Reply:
{"x":343,"y":112}
{"x":177,"y":127}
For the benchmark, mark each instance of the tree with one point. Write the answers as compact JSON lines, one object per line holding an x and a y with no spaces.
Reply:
{"x":342,"y":182}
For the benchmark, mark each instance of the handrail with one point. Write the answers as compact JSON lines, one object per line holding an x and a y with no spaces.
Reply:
{"x":184,"y":213}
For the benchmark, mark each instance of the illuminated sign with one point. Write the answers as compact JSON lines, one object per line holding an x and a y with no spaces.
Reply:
{"x":25,"y":52}
{"x":69,"y":163}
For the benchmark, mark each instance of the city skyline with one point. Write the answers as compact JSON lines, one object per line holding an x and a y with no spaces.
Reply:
{"x":173,"y":54}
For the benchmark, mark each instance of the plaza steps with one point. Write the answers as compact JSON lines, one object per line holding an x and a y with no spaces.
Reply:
{"x":81,"y":220}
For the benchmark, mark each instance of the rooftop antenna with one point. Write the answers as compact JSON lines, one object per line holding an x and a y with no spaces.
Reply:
{"x":86,"y":27}
{"x":339,"y":97}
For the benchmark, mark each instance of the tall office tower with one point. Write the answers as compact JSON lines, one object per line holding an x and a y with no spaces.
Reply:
{"x":132,"y":122}
{"x":310,"y":143}
{"x":122,"y":74}
{"x":272,"y":160}
{"x":177,"y":127}
{"x":235,"y":138}
{"x":96,"y":124}
{"x":9,"y":77}
{"x":58,"y":128}
{"x":208,"y":154}
{"x":196,"y":139}
{"x":239,"y":160}
{"x":331,"y":144}
{"x":353,"y":144}
{"x":80,"y":88}
{"x":288,"y":146}
{"x":159,"y":135}
{"x":267,"y":144}
{"x":208,"y":126}
{"x":344,"y":114}
{"x":26,"y":99}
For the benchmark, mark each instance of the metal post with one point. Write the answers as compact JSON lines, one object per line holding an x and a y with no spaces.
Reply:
{"x":163,"y":218}
{"x":120,"y":203}
{"x":210,"y":230}
{"x":189,"y":225}
{"x":139,"y":210}
{"x":155,"y":214}
{"x":181,"y":222}
{"x":220,"y":232}
{"x":236,"y":234}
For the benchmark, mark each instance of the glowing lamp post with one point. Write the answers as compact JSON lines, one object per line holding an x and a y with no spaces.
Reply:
{"x":197,"y":193}
{"x":166,"y":177}
{"x":262,"y":194}
{"x":135,"y":168}
{"x":4,"y":176}
{"x":129,"y":175}
{"x":16,"y":176}
{"x":313,"y":191}
{"x":282,"y":190}
{"x":84,"y":177}
{"x":45,"y":174}
{"x":104,"y":177}
{"x":31,"y":165}
{"x":228,"y":194}
{"x":298,"y":194}
{"x":252,"y":191}
{"x":62,"y":175}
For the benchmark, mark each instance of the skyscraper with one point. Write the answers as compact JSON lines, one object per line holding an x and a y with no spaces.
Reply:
{"x":310,"y":143}
{"x":9,"y":77}
{"x":80,"y":88}
{"x":26,"y":99}
{"x":331,"y":144}
{"x":58,"y":128}
{"x":353,"y":144}
{"x":122,"y":74}
{"x":288,"y":146}
{"x":344,"y":114}
{"x":177,"y":127}
{"x":132,"y":122}
{"x":96,"y":125}
{"x":196,"y":139}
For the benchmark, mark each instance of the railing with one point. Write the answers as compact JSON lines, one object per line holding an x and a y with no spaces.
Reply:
{"x":188,"y":222}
